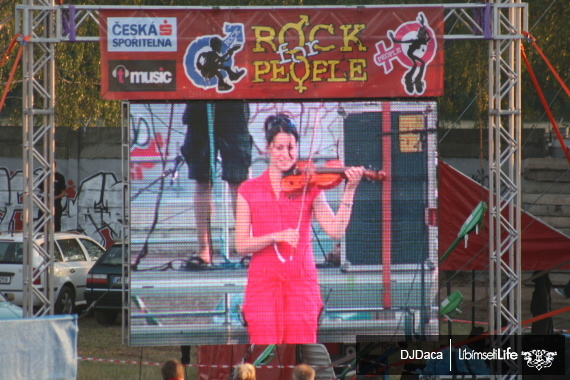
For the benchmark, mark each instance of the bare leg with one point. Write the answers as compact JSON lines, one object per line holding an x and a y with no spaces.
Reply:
{"x":203,"y":212}
{"x":203,"y":205}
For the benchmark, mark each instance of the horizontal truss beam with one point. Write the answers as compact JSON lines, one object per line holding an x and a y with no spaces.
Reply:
{"x":80,"y":23}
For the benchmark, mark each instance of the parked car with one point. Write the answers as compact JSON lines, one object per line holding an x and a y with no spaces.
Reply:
{"x":74,"y":255}
{"x":8,"y":310}
{"x":104,"y":285}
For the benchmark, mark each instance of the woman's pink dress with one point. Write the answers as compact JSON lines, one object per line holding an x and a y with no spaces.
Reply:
{"x":282,"y":299}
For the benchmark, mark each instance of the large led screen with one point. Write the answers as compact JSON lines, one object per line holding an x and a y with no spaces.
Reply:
{"x":281,"y":222}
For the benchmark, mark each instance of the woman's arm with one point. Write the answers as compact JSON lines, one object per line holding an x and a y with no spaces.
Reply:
{"x":245,"y":243}
{"x":335,"y":224}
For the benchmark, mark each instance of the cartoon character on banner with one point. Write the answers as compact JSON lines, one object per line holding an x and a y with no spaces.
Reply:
{"x":414,"y":45}
{"x":209,"y":60}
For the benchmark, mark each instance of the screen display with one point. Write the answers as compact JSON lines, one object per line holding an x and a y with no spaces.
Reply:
{"x":282,"y":222}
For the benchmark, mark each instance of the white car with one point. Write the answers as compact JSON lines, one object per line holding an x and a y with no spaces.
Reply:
{"x":74,"y":255}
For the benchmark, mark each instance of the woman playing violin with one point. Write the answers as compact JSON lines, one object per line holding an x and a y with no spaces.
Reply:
{"x":282,"y":296}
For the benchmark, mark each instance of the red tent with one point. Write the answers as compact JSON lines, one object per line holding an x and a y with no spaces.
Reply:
{"x":542,"y":246}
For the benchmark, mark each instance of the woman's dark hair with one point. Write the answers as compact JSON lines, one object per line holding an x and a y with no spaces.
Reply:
{"x":279,"y":123}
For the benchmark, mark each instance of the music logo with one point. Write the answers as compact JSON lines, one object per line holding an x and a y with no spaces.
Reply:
{"x":142,"y":75}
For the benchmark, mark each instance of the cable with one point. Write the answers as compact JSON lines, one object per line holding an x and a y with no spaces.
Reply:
{"x":10,"y":78}
{"x":544,"y":104}
{"x":462,"y":113}
{"x":532,"y":40}
{"x":479,"y":93}
{"x":140,"y":363}
{"x":543,"y":14}
{"x":561,"y":175}
{"x":322,"y":249}
{"x":86,"y":312}
{"x":281,"y":367}
{"x":541,"y":117}
{"x":161,"y":183}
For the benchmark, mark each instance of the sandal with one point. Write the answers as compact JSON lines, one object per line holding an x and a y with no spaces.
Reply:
{"x":197,"y":263}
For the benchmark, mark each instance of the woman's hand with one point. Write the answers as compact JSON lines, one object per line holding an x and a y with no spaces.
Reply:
{"x":353,"y":176}
{"x":289,"y":236}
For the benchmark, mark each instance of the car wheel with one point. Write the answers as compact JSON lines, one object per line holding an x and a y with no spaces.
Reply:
{"x":65,"y":301}
{"x":106,"y":317}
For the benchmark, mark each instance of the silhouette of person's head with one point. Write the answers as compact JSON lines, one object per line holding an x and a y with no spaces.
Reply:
{"x":216,"y":44}
{"x":244,"y":371}
{"x":303,"y":372}
{"x":172,"y":370}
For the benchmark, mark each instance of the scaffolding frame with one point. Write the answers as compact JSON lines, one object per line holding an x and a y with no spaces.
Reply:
{"x":505,"y":128}
{"x":500,"y":22}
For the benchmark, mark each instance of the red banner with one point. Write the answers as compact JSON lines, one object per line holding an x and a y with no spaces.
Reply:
{"x":271,"y":53}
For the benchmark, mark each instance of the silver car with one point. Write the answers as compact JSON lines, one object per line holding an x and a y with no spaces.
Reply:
{"x":74,"y":255}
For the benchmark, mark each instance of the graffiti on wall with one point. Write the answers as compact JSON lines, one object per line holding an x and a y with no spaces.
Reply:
{"x":93,"y":208}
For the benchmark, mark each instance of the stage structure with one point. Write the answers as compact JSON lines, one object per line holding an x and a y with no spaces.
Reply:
{"x":501,"y":23}
{"x":381,"y":279}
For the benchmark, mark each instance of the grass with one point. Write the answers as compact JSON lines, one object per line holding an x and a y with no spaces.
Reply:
{"x":105,"y":342}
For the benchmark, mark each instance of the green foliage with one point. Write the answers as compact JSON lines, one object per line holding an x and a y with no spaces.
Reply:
{"x":465,"y":83}
{"x":548,"y":24}
{"x":78,"y":73}
{"x":78,"y":95}
{"x":9,"y":114}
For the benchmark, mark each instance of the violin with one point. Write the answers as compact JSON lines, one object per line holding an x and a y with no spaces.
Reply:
{"x":304,"y":173}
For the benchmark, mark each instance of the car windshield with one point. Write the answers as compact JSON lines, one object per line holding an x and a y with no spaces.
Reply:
{"x":93,"y":249}
{"x":11,"y":252}
{"x":114,"y":256}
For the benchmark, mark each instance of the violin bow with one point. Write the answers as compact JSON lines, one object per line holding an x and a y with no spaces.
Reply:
{"x":303,"y":197}
{"x":306,"y":185}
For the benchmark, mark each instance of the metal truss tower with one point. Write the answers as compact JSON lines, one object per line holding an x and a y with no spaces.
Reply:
{"x":501,"y":22}
{"x":38,"y":21}
{"x":508,"y":23}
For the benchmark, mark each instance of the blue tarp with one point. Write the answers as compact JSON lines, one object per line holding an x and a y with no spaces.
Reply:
{"x":39,"y":348}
